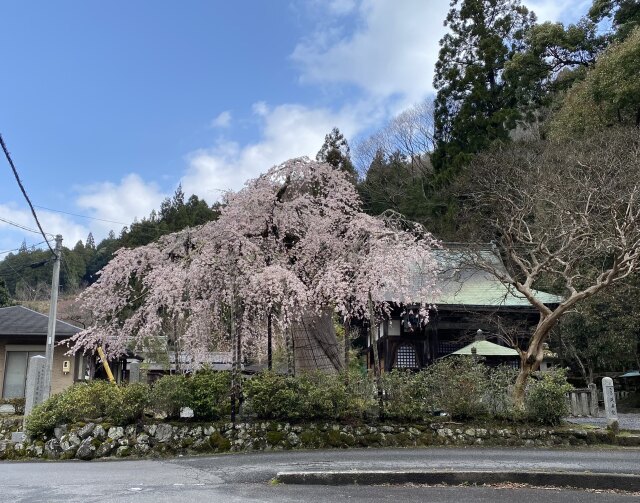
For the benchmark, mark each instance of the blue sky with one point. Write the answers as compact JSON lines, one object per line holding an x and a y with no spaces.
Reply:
{"x":108,"y":106}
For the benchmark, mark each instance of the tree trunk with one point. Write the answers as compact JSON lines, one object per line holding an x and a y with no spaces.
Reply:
{"x":526,"y":369}
{"x":236,"y":366}
{"x":92,"y":368}
{"x":529,"y":362}
{"x":239,"y":395}
{"x":531,"y":359}
{"x":234,"y":361}
{"x":176,"y":347}
{"x":269,"y":342}
{"x":347,"y":347}
{"x":376,"y":359}
{"x":291,"y":370}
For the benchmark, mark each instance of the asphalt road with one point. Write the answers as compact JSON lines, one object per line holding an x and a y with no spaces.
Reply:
{"x":245,"y":477}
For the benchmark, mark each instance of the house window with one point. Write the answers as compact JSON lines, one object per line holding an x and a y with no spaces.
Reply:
{"x":411,"y":321}
{"x":406,"y":357}
{"x":16,"y":368}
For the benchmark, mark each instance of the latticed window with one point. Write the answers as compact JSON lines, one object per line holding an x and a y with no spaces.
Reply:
{"x":406,"y":357}
{"x":446,"y":347}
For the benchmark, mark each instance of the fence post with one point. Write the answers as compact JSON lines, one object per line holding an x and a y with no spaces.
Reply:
{"x":594,"y":399}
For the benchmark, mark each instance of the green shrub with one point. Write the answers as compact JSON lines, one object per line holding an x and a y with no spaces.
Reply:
{"x":546,"y":400}
{"x":361,"y":396}
{"x":135,"y":398}
{"x":310,"y":396}
{"x":405,"y":397}
{"x":209,"y":394}
{"x":457,"y":385}
{"x":324,"y":396}
{"x":169,"y":394}
{"x":499,"y":395}
{"x":274,"y":396}
{"x":206,"y":392}
{"x":87,"y":402}
{"x":44,"y":417}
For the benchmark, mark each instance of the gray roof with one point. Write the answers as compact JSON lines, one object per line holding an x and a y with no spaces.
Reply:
{"x":19,"y":320}
{"x":462,"y":280}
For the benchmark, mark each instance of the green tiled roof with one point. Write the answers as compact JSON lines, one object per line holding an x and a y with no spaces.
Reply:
{"x":462,"y":280}
{"x":486,"y":348}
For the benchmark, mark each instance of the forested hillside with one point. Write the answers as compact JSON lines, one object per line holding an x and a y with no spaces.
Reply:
{"x":26,"y":274}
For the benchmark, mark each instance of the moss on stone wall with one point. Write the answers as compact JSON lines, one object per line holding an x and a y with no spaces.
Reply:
{"x":90,"y":440}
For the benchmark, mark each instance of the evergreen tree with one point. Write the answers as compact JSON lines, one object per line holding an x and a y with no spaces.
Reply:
{"x":90,"y":243}
{"x":474,"y":104}
{"x":555,"y":57}
{"x":5,"y":298}
{"x":624,"y":15}
{"x":608,"y":96}
{"x":335,"y":151}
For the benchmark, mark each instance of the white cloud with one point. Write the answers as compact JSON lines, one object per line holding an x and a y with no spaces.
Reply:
{"x":558,"y":10}
{"x":115,"y":204}
{"x":52,"y":223}
{"x":394,"y":47}
{"x":223,"y":120}
{"x":260,"y":108}
{"x":287,"y":131}
{"x":392,"y":52}
{"x":131,"y":198}
{"x":342,"y":7}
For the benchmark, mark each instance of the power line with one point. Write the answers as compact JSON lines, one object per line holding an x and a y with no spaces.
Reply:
{"x":18,"y":249}
{"x":17,"y":274}
{"x":81,"y":216}
{"x":22,"y":267}
{"x":20,"y":226}
{"x":9,"y":251}
{"x":24,"y":192}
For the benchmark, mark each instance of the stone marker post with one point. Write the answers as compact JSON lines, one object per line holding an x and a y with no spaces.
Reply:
{"x":35,"y":387}
{"x":610,"y":402}
{"x":134,"y":371}
{"x":35,"y":390}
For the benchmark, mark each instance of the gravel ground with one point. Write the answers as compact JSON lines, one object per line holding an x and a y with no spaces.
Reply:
{"x":626,"y":421}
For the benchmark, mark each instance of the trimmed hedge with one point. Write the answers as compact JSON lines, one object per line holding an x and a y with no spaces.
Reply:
{"x":206,"y":393}
{"x":459,"y":387}
{"x":89,"y":401}
{"x":309,"y":396}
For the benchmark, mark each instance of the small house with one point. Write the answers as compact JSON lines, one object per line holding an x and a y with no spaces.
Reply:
{"x":23,"y":334}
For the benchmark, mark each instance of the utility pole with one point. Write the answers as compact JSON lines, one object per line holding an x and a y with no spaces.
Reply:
{"x":53,"y":310}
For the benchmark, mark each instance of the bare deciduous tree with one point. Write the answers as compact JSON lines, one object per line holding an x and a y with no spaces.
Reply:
{"x":409,"y":134}
{"x":564,"y":217}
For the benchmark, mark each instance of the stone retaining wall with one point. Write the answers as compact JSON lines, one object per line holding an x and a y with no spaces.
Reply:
{"x":8,"y":425}
{"x":99,"y":440}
